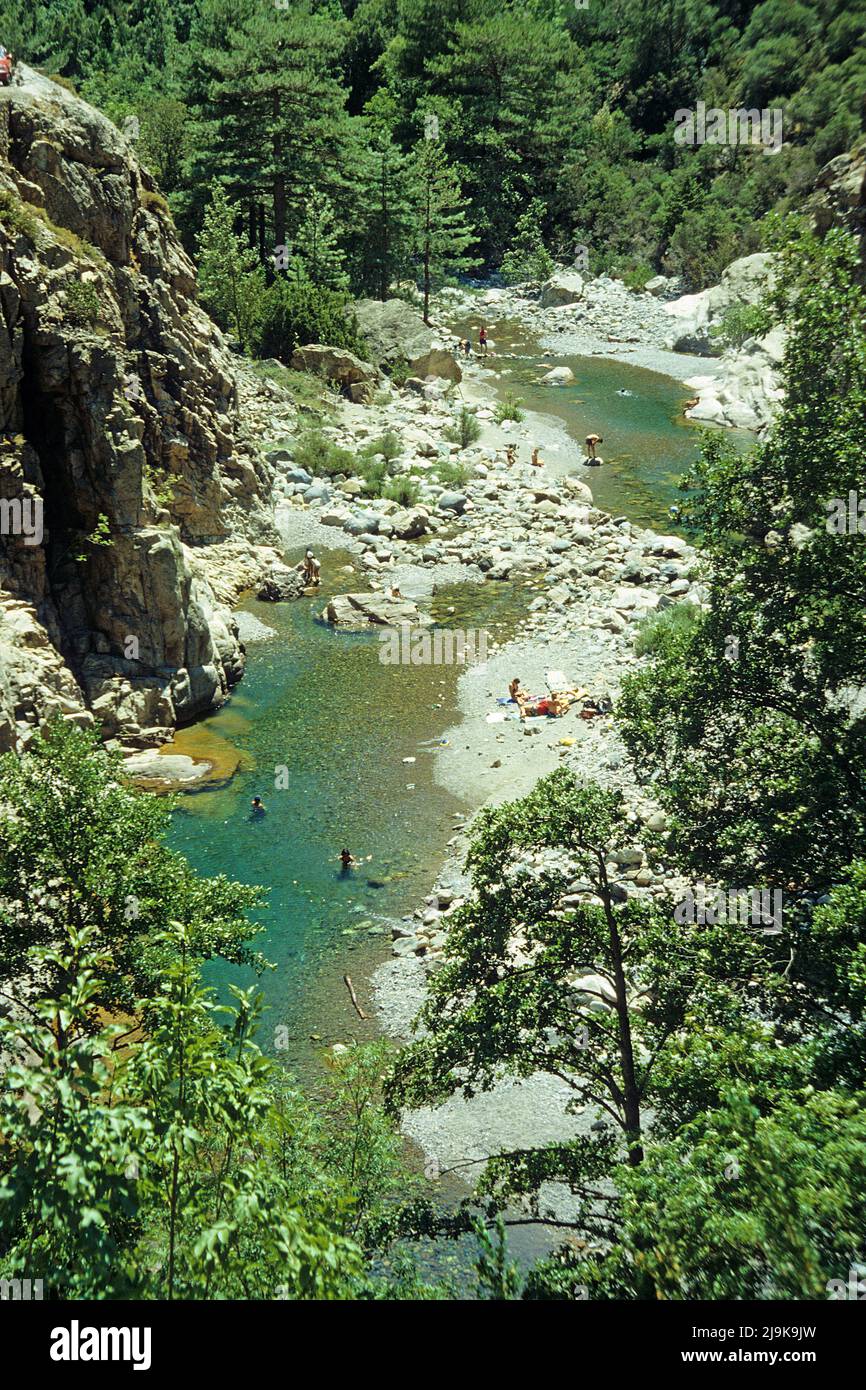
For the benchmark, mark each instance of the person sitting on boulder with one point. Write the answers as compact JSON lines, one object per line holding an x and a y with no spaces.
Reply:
{"x":591,"y":441}
{"x":536,"y":460}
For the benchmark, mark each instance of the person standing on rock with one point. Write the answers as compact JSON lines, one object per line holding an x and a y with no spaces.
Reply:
{"x":591,"y":441}
{"x":482,"y":341}
{"x":511,"y":455}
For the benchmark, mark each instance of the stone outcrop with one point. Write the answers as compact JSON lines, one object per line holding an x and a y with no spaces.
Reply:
{"x":839,"y":199}
{"x":360,"y":612}
{"x":743,"y":282}
{"x":394,"y":333}
{"x":746,"y":393}
{"x":336,"y":364}
{"x":119,"y":422}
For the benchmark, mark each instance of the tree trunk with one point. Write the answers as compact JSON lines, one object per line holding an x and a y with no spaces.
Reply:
{"x":279,"y":179}
{"x":631,"y":1095}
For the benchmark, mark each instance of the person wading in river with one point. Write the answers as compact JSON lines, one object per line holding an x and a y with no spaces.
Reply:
{"x":312,"y":569}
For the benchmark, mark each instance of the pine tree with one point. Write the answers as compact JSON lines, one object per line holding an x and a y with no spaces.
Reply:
{"x":230,"y":279}
{"x":441,"y":234}
{"x":384,"y":217}
{"x":528,"y":258}
{"x":264,"y":84}
{"x":316,"y":254}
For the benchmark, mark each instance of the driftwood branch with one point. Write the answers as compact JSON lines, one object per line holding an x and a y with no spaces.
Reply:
{"x":351,"y":988}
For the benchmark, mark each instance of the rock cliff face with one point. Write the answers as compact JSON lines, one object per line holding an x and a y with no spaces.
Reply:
{"x":121,"y":466}
{"x":839,"y":199}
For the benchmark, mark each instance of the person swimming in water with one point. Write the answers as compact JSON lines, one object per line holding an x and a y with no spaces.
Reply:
{"x":257,"y":807}
{"x":347,"y":860}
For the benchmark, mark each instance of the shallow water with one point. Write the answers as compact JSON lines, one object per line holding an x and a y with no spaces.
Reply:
{"x":323,"y":727}
{"x":648,"y":442}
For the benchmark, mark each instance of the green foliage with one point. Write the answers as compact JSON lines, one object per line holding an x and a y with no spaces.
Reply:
{"x":81,"y":303}
{"x":465,"y":430}
{"x":150,"y":1150}
{"x":230,"y":281}
{"x":320,"y":456}
{"x":82,"y":849}
{"x":297,"y":312}
{"x":509,"y":408}
{"x":653,"y":630}
{"x":745,"y":1205}
{"x":560,"y":121}
{"x":747,"y":718}
{"x":631,"y":1008}
{"x":441,"y":232}
{"x":315,"y":257}
{"x":402,"y":490}
{"x":17,"y":216}
{"x":399,"y":371}
{"x":156,"y":1171}
{"x":740,"y":322}
{"x":451,"y":473}
{"x":527,"y":259}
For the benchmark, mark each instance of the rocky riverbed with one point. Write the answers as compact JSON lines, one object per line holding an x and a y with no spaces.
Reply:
{"x":588,"y":579}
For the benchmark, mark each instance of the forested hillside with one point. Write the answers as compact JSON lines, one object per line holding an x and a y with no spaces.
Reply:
{"x":559,"y":111}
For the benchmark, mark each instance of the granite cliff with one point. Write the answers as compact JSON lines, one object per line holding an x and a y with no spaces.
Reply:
{"x":124,"y":477}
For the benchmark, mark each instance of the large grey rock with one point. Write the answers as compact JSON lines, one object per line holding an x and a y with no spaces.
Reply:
{"x":334,"y":364}
{"x":362,"y":611}
{"x":438,"y":362}
{"x":393,"y":331}
{"x":281,"y":583}
{"x":743,"y":282}
{"x":565,"y":287}
{"x":452,"y":502}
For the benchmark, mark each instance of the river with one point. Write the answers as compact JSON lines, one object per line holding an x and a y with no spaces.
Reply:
{"x":342,"y":753}
{"x":324,"y":730}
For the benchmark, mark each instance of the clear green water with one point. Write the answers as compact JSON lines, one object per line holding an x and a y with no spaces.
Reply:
{"x":321,"y":705}
{"x":648,"y":443}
